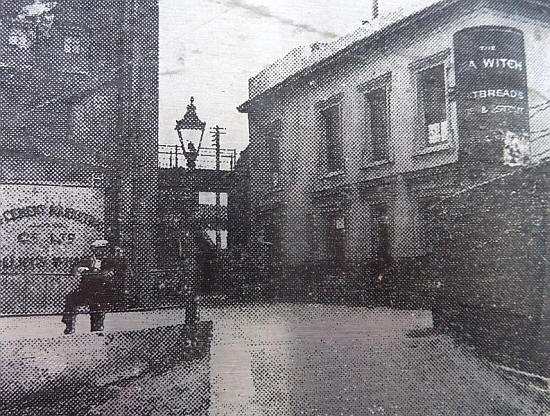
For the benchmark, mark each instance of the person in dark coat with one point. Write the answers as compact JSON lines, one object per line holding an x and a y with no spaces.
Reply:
{"x":101,"y":275}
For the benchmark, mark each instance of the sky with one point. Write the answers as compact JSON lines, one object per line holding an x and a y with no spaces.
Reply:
{"x":210,"y":48}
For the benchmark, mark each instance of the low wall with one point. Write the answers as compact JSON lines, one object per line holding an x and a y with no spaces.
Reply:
{"x":44,"y":294}
{"x":27,"y":294}
{"x":46,"y":369}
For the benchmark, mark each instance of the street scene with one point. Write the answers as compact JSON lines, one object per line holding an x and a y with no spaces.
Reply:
{"x":252,"y":207}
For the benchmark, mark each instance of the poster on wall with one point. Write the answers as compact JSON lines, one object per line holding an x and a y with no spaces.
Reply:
{"x":47,"y":229}
{"x":491,"y":84}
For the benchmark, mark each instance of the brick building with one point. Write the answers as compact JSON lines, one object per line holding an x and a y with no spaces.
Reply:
{"x":78,"y":124}
{"x":350,"y":142}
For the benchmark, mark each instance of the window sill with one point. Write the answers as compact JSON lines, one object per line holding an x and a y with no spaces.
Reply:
{"x":374,"y":164}
{"x":434,"y":148}
{"x":333,"y":174}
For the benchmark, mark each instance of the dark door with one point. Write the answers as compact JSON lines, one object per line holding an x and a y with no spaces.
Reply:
{"x":336,"y":239}
{"x":382,"y":240}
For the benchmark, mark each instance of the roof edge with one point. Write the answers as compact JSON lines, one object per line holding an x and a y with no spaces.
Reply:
{"x":419,"y":15}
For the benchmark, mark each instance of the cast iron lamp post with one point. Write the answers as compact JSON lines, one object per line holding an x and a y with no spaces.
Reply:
{"x":191,"y":130}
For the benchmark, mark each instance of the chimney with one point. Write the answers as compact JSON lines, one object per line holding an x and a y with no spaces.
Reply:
{"x":374,"y":9}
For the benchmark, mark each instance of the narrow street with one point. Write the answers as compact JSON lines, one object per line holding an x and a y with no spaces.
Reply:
{"x":318,"y":360}
{"x":336,"y":360}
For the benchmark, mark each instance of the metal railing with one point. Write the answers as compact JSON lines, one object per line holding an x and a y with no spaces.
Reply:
{"x":172,"y":156}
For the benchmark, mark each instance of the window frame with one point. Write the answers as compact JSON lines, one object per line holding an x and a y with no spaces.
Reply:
{"x":273,"y":140}
{"x":323,"y":106}
{"x":213,"y":193}
{"x":423,"y":146}
{"x":368,"y":151}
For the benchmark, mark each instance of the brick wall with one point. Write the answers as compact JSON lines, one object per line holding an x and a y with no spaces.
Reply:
{"x":489,"y":265}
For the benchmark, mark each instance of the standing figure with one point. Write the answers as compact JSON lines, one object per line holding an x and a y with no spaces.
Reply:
{"x":100,"y":275}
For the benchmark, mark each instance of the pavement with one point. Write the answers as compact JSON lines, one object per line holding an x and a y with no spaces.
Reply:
{"x":289,"y":359}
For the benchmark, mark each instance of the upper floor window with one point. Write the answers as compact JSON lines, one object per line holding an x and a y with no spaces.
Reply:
{"x":332,"y":130}
{"x":436,"y":112}
{"x":209,"y":198}
{"x":377,"y":120}
{"x":274,"y":149}
{"x":433,"y":102}
{"x":72,"y":45}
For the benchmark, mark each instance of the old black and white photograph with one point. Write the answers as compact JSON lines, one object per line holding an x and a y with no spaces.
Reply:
{"x":275,"y":207}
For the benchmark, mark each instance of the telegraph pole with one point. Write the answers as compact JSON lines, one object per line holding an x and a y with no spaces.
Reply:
{"x":216,"y":133}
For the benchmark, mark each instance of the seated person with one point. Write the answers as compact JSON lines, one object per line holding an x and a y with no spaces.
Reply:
{"x":100,"y":275}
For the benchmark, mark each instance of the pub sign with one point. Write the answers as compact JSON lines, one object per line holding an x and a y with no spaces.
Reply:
{"x":491,"y":91}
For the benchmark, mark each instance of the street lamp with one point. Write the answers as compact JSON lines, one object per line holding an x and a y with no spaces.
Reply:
{"x":190,"y":129}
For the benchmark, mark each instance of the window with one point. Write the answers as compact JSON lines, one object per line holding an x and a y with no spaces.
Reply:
{"x":209,"y":198}
{"x":274,"y":147}
{"x":21,"y":38}
{"x":378,"y":123}
{"x":223,"y":238}
{"x":433,"y":104}
{"x":331,"y":125}
{"x":72,"y":45}
{"x":223,"y":199}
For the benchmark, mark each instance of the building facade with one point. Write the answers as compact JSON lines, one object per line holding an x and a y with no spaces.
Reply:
{"x":351,"y":143}
{"x":239,"y":203}
{"x":187,"y":203}
{"x":78,"y":157}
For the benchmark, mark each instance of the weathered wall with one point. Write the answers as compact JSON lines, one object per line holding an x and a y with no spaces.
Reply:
{"x":86,"y":118}
{"x":489,"y":266}
{"x":58,"y":115}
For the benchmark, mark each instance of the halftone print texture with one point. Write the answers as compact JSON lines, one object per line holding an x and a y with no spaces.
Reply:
{"x":380,"y":247}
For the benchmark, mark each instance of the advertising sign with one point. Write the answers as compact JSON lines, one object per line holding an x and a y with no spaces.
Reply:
{"x":491,"y":86}
{"x":47,"y":229}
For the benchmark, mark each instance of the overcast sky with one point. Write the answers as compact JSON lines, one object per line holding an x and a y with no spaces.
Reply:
{"x":210,"y":48}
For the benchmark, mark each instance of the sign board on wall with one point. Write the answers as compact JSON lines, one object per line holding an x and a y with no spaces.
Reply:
{"x":46,"y":229}
{"x":491,"y":85}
